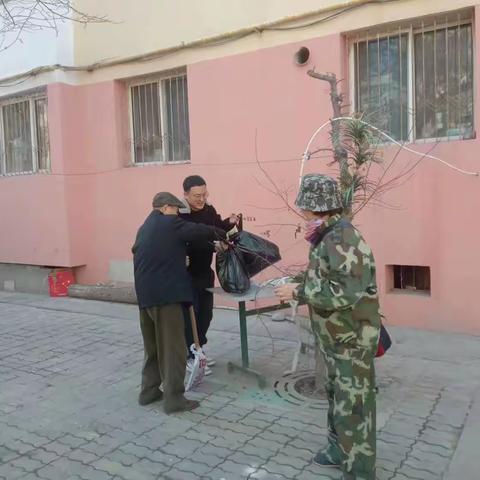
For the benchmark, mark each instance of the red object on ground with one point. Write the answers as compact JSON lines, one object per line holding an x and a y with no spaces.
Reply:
{"x":59,"y":281}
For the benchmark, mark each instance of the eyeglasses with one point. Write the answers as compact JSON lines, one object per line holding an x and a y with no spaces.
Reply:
{"x":200,"y":196}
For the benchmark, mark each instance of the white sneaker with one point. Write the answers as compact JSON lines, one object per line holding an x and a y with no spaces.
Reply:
{"x":211,"y":362}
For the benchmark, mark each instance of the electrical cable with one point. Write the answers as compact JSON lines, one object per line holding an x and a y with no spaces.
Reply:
{"x":218,"y":40}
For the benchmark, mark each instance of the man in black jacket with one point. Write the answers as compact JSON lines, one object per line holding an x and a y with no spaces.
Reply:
{"x":198,"y":211}
{"x":164,"y":289}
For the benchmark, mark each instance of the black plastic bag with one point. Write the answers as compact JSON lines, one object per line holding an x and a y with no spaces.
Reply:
{"x":231,"y":271}
{"x":257,"y":253}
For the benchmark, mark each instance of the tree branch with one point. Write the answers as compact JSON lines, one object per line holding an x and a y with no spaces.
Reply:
{"x":32,"y":15}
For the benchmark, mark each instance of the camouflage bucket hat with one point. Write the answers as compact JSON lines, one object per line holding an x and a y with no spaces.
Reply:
{"x":318,"y":193}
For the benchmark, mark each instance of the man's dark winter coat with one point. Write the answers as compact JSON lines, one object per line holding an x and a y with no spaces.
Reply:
{"x":159,"y":258}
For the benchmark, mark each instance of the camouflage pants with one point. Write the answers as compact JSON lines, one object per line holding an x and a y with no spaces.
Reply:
{"x":350,"y":390}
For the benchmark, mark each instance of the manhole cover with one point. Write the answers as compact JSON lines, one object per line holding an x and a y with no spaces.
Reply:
{"x":307,"y":387}
{"x":299,"y":389}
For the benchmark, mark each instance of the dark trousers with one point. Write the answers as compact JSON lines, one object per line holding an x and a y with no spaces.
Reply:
{"x":203,"y":306}
{"x":164,"y":345}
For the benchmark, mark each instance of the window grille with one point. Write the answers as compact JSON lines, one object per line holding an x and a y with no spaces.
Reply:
{"x":415,"y":81}
{"x":160,"y":121}
{"x":24,"y":136}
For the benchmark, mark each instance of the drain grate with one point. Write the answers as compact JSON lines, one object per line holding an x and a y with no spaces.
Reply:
{"x":299,"y":389}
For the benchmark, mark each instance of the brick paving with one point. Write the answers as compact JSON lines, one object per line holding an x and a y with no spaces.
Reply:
{"x":70,"y":372}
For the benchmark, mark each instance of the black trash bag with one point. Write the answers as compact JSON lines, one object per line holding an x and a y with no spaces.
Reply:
{"x":231,"y":271}
{"x":257,"y":253}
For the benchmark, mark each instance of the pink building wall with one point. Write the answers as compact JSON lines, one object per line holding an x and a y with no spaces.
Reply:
{"x":86,"y":213}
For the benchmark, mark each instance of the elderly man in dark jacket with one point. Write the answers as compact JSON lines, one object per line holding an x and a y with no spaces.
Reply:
{"x":164,"y":289}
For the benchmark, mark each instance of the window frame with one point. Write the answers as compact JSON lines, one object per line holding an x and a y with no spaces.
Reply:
{"x":31,"y":99}
{"x":391,"y":288}
{"x":159,"y":79}
{"x":411,"y":31}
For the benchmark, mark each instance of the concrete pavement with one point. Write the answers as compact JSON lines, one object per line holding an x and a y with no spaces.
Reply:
{"x":70,"y":372}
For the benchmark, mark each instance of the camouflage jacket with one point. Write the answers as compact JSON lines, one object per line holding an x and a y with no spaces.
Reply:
{"x":341,"y":290}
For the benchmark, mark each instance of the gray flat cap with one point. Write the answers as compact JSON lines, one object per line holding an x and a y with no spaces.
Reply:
{"x":166,"y":198}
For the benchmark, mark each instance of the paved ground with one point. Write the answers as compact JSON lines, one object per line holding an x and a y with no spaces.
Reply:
{"x":69,"y":375}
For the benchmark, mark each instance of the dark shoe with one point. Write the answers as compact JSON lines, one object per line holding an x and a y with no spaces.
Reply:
{"x":149,"y":396}
{"x":182,"y":405}
{"x":324,"y":460}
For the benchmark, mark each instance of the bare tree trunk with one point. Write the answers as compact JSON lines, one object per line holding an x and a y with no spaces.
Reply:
{"x":340,"y":154}
{"x":319,"y":361}
{"x":319,"y":369}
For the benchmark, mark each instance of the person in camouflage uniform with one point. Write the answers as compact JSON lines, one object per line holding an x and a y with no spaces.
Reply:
{"x":340,"y":289}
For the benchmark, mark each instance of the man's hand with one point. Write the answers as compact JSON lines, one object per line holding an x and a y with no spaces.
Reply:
{"x":285,"y":292}
{"x":187,"y":261}
{"x":234,"y":219}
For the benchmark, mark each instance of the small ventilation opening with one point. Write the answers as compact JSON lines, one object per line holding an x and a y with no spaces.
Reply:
{"x":410,"y":278}
{"x":302,"y":56}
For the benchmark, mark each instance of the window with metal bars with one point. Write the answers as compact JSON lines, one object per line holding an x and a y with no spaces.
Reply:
{"x":411,"y":278}
{"x":416,"y":82}
{"x":24,"y":137}
{"x":160,"y":123}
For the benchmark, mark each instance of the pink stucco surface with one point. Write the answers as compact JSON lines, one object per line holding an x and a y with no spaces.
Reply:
{"x":33,"y":219}
{"x":252,"y":107}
